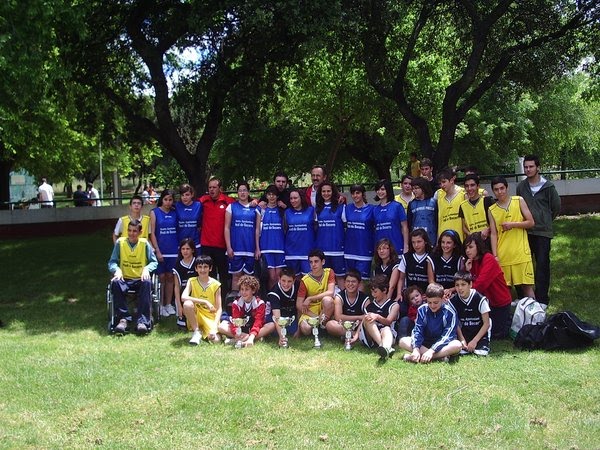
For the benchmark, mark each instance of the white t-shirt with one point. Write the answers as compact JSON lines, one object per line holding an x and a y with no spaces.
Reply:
{"x":46,"y":194}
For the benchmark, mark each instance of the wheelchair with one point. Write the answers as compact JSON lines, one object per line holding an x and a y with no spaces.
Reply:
{"x":132,"y":300}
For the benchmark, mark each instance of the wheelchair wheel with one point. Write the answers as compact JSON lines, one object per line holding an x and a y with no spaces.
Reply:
{"x":110,"y":309}
{"x":156,"y":293}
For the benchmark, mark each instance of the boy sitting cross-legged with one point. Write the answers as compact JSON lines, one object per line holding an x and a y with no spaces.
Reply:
{"x":434,"y":334}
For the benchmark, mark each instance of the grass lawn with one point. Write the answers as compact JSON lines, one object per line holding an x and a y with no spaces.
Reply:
{"x":65,"y":383}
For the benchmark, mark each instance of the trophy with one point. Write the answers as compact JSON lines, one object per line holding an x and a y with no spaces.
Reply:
{"x":283,"y":322}
{"x":349,"y":326}
{"x":239,"y":322}
{"x":314,"y":323}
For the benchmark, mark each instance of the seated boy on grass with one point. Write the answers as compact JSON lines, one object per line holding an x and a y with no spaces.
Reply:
{"x":349,"y":305}
{"x":434,"y":334}
{"x":473,"y":313}
{"x":315,"y":295}
{"x":202,"y":302}
{"x":249,"y":306}
{"x":283,"y":301}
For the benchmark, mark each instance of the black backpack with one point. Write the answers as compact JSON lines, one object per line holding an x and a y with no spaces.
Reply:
{"x":561,"y":331}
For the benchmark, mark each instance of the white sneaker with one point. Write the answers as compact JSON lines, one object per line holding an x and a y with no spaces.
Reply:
{"x":196,"y":337}
{"x":164,"y":312}
{"x":171,"y":310}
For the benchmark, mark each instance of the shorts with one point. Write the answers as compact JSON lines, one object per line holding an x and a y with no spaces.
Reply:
{"x":336,"y":263}
{"x":206,"y":321}
{"x":292,"y":328}
{"x":274,"y":260}
{"x":239,"y":264}
{"x":166,"y":266}
{"x":363,"y":267}
{"x":517,"y":274}
{"x":366,"y":339}
{"x":314,"y":308}
{"x":300,"y":266}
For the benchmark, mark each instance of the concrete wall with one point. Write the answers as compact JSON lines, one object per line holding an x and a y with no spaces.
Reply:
{"x":578,"y":196}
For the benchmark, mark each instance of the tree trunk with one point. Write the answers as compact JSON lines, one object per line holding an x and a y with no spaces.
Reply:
{"x":5,"y":168}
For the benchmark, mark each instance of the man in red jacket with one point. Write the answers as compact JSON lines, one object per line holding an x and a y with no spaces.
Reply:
{"x":212,"y":238}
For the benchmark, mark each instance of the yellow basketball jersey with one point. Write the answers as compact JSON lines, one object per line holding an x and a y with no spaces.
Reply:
{"x":133,"y":260}
{"x":513,"y":246}
{"x":474,"y":215}
{"x":145,"y":226}
{"x":448,"y":218}
{"x":315,"y":286}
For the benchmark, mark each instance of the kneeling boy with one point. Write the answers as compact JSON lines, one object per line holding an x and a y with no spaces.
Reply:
{"x":283,"y":301}
{"x":434,"y":334}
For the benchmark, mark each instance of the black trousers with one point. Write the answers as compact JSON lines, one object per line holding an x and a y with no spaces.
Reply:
{"x":540,"y":249}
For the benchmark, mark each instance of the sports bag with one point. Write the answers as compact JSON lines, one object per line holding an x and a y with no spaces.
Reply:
{"x":562,"y":331}
{"x":527,"y":312}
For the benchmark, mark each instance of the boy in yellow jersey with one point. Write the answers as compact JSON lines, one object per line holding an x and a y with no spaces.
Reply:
{"x":509,"y":220}
{"x":473,"y":211}
{"x":449,"y":197}
{"x":315,"y":295}
{"x":135,"y":212}
{"x":131,"y":263}
{"x":202,"y":302}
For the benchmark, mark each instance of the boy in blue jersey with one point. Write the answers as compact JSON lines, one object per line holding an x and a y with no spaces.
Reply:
{"x":434,"y":334}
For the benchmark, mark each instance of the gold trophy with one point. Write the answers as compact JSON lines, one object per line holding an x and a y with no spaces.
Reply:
{"x":284,"y":322}
{"x":314,"y":323}
{"x":239,"y":322}
{"x":349,"y":326}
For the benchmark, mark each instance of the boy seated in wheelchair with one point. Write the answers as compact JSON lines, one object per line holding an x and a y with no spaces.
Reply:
{"x":131,"y":263}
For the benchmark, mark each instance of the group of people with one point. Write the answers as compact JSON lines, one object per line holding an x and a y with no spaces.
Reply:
{"x":439,"y":262}
{"x":89,"y":197}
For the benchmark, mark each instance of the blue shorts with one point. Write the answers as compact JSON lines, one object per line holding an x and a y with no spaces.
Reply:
{"x":291,"y":328}
{"x":363,"y":267}
{"x":336,"y":263}
{"x":244,"y":264}
{"x":274,"y":260}
{"x":300,"y":266}
{"x":166,"y":266}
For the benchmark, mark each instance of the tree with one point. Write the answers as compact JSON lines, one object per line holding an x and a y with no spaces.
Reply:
{"x":463,"y":49}
{"x":129,"y":49}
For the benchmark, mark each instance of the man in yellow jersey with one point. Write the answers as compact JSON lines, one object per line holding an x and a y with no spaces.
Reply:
{"x":510,"y":219}
{"x":131,"y":263}
{"x":315,"y":294}
{"x":135,"y":212}
{"x":473,"y":211}
{"x":449,"y":197}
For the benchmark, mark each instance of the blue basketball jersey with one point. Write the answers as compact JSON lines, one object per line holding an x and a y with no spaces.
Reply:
{"x":189,"y":218}
{"x":360,"y":228}
{"x":388,"y":223}
{"x":300,"y":234}
{"x":243,"y":226}
{"x":423,"y":214}
{"x":330,"y":231}
{"x":166,"y":232}
{"x":272,"y":238}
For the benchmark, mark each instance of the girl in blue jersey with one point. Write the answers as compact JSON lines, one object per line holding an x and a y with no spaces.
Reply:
{"x":331,"y":216}
{"x":184,"y":270}
{"x":189,"y":215}
{"x":390,"y":217}
{"x":415,"y":267}
{"x":300,"y":232}
{"x":360,"y":227}
{"x":272,"y":237}
{"x":163,"y":228}
{"x":447,"y":260}
{"x":422,"y":210}
{"x":242,"y":233}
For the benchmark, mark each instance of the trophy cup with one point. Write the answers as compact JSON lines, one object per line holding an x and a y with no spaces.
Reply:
{"x":314,"y":323}
{"x":239,"y":322}
{"x":349,"y":326}
{"x":283,"y":322}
